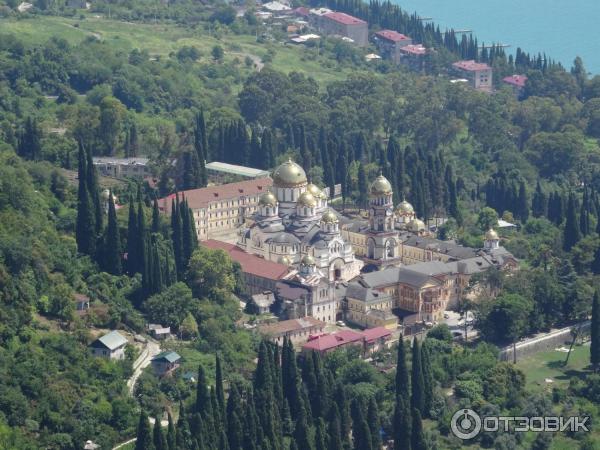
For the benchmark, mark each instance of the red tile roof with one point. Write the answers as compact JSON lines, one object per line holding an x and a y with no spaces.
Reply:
{"x":372,"y":334}
{"x":344,"y":18}
{"x":302,"y":11}
{"x":200,"y":198}
{"x":330,"y":341}
{"x":516,"y":80}
{"x":289,"y":326}
{"x":250,"y":263}
{"x":414,"y":49}
{"x":392,"y":35}
{"x":471,"y":66}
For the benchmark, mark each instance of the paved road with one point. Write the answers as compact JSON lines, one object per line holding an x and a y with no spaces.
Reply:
{"x":151,"y":350}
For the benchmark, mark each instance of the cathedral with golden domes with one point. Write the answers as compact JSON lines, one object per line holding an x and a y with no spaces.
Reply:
{"x":294,"y":226}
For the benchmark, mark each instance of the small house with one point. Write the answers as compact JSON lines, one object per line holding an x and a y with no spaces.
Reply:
{"x":109,"y":346}
{"x":159,"y":332}
{"x":165,"y":363}
{"x":82,"y":302}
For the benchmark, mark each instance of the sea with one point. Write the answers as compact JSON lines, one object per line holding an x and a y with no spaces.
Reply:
{"x":563,"y":29}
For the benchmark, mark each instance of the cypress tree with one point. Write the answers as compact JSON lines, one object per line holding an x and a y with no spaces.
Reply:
{"x":235,"y":432}
{"x":595,"y":266}
{"x":202,"y":394}
{"x":160,"y":441}
{"x":289,"y":375}
{"x":133,"y":256}
{"x":595,"y":332}
{"x":335,"y":430}
{"x":219,"y":383}
{"x":571,"y":233}
{"x":94,"y":192}
{"x":177,"y":237}
{"x":374,"y":424}
{"x":418,"y":440}
{"x":302,"y":433}
{"x":140,"y":240}
{"x":417,"y":382}
{"x":344,"y":410}
{"x":539,"y":202}
{"x":522,"y":203}
{"x":112,"y":241}
{"x":171,"y":434}
{"x":85,"y":226}
{"x":360,"y":428}
{"x":427,"y":379}
{"x":183,"y":436}
{"x":144,"y":434}
{"x":402,"y":424}
{"x":402,"y":381}
{"x":320,"y":435}
{"x":155,"y":217}
{"x":363,"y":188}
{"x":268,"y":155}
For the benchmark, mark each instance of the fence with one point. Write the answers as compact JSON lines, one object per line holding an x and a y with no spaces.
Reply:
{"x":550,"y":341}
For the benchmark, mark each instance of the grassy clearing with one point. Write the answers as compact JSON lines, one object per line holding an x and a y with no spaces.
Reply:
{"x":162,"y":39}
{"x":549,"y":364}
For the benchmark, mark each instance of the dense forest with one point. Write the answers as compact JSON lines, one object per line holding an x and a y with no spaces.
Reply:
{"x":451,"y":151}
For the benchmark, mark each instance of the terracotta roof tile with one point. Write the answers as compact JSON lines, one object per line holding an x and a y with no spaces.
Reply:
{"x":200,"y":198}
{"x":250,"y":263}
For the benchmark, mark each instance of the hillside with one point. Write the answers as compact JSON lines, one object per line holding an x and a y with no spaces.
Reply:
{"x":183,"y":83}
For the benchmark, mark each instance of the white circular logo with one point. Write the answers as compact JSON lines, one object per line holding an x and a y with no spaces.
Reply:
{"x":465,"y":424}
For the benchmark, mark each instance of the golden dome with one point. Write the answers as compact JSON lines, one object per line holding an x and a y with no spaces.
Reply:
{"x":404,"y":208}
{"x":308,"y":260}
{"x":416,"y":225}
{"x":267,"y":199}
{"x":491,"y":235}
{"x":381,"y":186}
{"x":307,"y":199}
{"x":289,"y":174}
{"x":314,"y":190}
{"x":329,"y":217}
{"x":284,"y":260}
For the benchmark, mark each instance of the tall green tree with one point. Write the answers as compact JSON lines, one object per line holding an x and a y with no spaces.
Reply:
{"x":85,"y":230}
{"x":159,"y":439}
{"x":595,"y":332}
{"x":417,"y":381}
{"x":144,"y":434}
{"x":112,"y":241}
{"x":402,"y":421}
{"x":335,"y":430}
{"x":155,"y":217}
{"x":374,"y":424}
{"x":417,"y":437}
{"x":427,"y":379}
{"x":133,"y":256}
{"x":571,"y":233}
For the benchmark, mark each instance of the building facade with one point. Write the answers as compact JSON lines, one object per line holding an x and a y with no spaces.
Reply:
{"x":478,"y":75}
{"x":122,"y":167}
{"x":294,"y":226}
{"x":341,"y":24}
{"x":219,"y":211}
{"x":109,"y":346}
{"x":390,"y":42}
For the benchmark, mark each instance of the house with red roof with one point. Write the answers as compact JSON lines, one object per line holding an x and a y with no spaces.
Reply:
{"x":341,"y":24}
{"x":517,"y":83}
{"x":369,"y":340}
{"x":389,"y":43}
{"x":413,"y":56}
{"x":260,"y":275}
{"x":478,"y":75}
